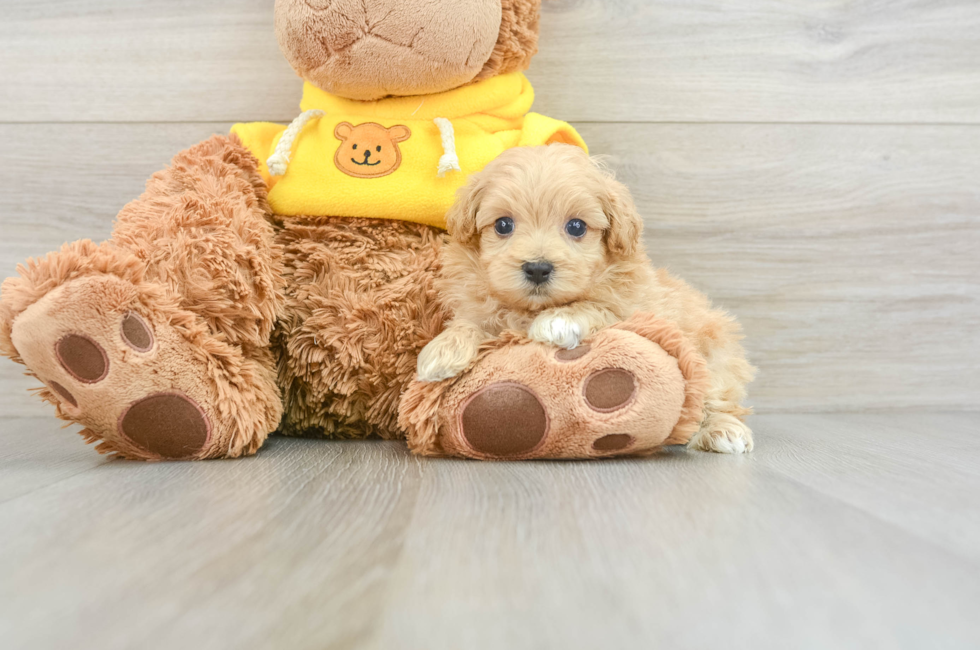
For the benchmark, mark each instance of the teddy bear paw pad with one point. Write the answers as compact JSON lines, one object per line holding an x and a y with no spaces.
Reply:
{"x":169,"y":425}
{"x":613,"y":442}
{"x":609,"y":390}
{"x":82,"y":358}
{"x":504,"y":420}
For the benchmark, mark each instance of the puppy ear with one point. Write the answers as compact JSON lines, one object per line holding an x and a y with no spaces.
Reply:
{"x":625,"y":234}
{"x":461,"y":218}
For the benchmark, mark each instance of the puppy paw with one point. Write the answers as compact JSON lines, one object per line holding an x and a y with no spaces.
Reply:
{"x":556,"y":330}
{"x":724,"y":434}
{"x":442,"y":359}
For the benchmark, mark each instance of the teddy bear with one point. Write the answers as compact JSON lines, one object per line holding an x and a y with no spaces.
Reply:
{"x":279,"y":279}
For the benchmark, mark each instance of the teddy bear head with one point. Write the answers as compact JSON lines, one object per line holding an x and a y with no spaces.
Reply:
{"x":369,"y":49}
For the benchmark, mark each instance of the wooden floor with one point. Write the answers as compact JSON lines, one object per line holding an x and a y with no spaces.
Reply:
{"x":840,"y":531}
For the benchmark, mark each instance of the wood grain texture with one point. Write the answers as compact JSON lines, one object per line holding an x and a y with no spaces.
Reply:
{"x":848,"y":252}
{"x":141,"y":60}
{"x":842,"y":531}
{"x":600,"y":60}
{"x":291,"y":549}
{"x":868,"y":61}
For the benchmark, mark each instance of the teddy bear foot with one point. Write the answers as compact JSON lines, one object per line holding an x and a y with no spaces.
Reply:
{"x":628,"y":391}
{"x":113,"y":361}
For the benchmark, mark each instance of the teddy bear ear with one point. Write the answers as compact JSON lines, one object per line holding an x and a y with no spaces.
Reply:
{"x":517,"y":40}
{"x":343,"y":130}
{"x":399,"y":133}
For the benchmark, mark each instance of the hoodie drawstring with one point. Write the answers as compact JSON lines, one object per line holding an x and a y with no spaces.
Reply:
{"x":449,"y":160}
{"x":279,"y":160}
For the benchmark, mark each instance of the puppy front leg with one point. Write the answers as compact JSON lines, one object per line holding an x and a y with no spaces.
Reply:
{"x":567,"y":326}
{"x":450,"y":353}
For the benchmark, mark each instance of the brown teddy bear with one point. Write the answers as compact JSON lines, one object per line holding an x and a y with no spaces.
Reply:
{"x":281,"y":278}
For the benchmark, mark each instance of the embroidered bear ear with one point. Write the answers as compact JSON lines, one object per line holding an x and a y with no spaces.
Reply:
{"x":343,"y":130}
{"x":399,"y":133}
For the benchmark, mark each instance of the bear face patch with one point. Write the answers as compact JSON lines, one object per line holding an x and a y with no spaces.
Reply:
{"x":369,"y":150}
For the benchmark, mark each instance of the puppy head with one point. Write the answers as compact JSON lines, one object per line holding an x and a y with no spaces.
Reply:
{"x":544,"y":223}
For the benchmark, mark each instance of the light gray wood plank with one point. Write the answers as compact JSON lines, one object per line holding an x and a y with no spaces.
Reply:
{"x":288,"y":549}
{"x":64,"y":182}
{"x":37,"y":452}
{"x":848,"y":252}
{"x":821,"y":538}
{"x":140,"y":60}
{"x":683,"y":551}
{"x":887,"y":466}
{"x":600,"y":60}
{"x":760,"y":61}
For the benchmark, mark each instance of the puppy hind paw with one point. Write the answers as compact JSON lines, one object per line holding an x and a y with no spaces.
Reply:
{"x":723,"y":434}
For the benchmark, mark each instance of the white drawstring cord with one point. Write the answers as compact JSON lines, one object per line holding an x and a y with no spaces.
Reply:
{"x":279,"y":160}
{"x":449,"y":160}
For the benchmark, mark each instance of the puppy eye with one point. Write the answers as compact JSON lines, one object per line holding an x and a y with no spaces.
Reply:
{"x":355,"y":147}
{"x":503,"y":226}
{"x":379,"y":148}
{"x":576,"y":228}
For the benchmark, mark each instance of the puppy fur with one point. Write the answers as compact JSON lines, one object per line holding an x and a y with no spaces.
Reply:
{"x":597,"y":280}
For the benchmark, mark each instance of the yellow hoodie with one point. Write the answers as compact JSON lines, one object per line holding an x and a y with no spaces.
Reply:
{"x":397,"y":158}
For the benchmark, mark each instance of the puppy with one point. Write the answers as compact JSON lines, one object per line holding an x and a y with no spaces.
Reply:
{"x":545,"y":241}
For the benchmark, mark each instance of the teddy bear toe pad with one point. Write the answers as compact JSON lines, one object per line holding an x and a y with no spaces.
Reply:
{"x":82,"y":358}
{"x":135,"y":389}
{"x":503,"y":420}
{"x":170,"y":425}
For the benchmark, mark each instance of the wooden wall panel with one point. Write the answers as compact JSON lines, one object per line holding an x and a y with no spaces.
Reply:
{"x":849,"y":252}
{"x":601,"y":60}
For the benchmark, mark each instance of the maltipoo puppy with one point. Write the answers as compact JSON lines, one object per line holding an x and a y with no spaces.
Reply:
{"x":546,"y":242}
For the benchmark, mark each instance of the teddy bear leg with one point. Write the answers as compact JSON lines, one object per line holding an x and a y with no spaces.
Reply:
{"x":154,"y":340}
{"x":628,"y":391}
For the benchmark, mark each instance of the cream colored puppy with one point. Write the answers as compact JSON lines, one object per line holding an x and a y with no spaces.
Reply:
{"x":545,"y":241}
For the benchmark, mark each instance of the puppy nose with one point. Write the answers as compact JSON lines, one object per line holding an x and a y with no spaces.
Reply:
{"x":367,"y":154}
{"x":538,"y":272}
